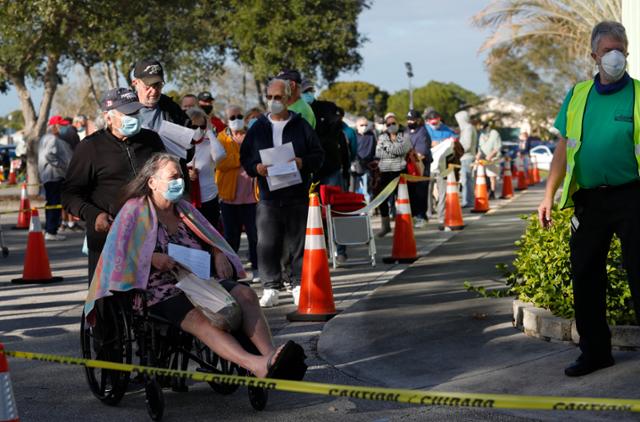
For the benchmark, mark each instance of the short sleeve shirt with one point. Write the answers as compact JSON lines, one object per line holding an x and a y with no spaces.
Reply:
{"x":607,"y":152}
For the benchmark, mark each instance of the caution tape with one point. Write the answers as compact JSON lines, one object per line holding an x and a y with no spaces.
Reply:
{"x":17,"y":185}
{"x":45,"y":207}
{"x":384,"y":194}
{"x":416,"y":397}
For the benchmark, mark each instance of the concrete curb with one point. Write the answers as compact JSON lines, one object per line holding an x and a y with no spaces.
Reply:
{"x":541,"y":323}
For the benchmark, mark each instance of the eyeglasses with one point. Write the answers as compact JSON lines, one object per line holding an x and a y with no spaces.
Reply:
{"x":156,"y":86}
{"x":203,"y":127}
{"x":237,"y":116}
{"x":273,"y":97}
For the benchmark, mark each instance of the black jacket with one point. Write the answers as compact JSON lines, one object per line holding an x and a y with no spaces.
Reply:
{"x":305,"y":146}
{"x":329,"y":130}
{"x":101,"y":166}
{"x":172,"y":112}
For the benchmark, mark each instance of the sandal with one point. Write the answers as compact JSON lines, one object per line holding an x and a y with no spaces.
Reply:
{"x":289,"y":365}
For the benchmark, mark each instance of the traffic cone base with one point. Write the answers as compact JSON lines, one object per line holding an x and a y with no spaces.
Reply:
{"x":36,"y":262}
{"x":316,"y":295}
{"x":404,"y":243}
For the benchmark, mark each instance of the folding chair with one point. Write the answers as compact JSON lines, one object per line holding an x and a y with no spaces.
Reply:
{"x":347,"y":230}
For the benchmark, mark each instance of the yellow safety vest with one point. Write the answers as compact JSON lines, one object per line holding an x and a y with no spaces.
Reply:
{"x":575,"y":114}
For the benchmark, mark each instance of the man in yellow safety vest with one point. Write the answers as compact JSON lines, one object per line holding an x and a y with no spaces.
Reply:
{"x":598,"y":157}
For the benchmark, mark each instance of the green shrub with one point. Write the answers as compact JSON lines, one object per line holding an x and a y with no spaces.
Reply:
{"x":541,"y":271}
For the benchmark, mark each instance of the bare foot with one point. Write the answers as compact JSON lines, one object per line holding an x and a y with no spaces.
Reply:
{"x":264,"y":362}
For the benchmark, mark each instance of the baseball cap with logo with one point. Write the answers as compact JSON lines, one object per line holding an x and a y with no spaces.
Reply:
{"x":149,"y":70}
{"x":57,"y":120}
{"x":122,"y":99}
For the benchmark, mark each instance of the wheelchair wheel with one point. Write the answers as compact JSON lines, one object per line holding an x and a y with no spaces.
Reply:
{"x":154,"y":399}
{"x":258,"y":397}
{"x":213,"y":363}
{"x":109,"y":340}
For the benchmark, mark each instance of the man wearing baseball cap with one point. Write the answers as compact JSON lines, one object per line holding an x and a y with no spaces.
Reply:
{"x":54,"y":155}
{"x":106,"y":161}
{"x":205,"y":101}
{"x":296,"y":103}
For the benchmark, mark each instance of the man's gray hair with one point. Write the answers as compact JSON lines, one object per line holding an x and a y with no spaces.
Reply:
{"x":287,"y":86}
{"x":611,"y":29}
{"x":196,"y":112}
{"x":232,"y":107}
{"x":80,"y":118}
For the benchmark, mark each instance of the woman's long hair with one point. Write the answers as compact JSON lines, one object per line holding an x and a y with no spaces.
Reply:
{"x":139,"y":186}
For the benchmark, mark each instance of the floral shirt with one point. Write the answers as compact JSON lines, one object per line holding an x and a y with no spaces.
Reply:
{"x":161,"y":284}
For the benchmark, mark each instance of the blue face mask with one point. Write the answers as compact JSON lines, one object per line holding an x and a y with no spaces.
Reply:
{"x":251,"y":122}
{"x":129,"y":125}
{"x":308,"y":97}
{"x":175,"y":189}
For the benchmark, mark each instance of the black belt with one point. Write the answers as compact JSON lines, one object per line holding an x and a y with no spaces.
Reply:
{"x":609,"y":188}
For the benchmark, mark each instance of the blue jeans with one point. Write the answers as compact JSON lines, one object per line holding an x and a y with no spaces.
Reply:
{"x":360,"y":184}
{"x":53,"y":196}
{"x":234,"y":216}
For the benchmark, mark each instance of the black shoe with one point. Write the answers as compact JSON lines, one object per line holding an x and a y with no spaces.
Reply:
{"x":583,"y":367}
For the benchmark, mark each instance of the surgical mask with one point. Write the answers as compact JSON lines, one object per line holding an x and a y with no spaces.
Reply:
{"x":207,"y":108}
{"x":434,"y":123}
{"x":308,"y":97}
{"x":198,"y":134}
{"x":129,"y":125}
{"x":251,"y":122}
{"x":613,"y":64}
{"x":275,"y":107}
{"x":175,"y":189}
{"x":237,"y":124}
{"x":362,"y":129}
{"x":392,"y":128}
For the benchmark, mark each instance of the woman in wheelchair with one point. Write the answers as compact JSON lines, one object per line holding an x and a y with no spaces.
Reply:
{"x":135,"y":257}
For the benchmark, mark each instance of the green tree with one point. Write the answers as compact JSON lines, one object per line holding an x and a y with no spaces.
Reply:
{"x":537,"y":49}
{"x":446,"y":98}
{"x":320,"y":38}
{"x":359,"y":98}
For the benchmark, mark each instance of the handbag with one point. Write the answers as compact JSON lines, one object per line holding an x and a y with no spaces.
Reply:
{"x":220,"y":308}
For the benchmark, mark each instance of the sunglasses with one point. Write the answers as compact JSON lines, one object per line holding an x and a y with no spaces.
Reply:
{"x":203,"y":127}
{"x":390,"y":123}
{"x":273,"y":97}
{"x":236,"y":117}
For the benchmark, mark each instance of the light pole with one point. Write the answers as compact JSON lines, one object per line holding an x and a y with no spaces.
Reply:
{"x":409,"y":75}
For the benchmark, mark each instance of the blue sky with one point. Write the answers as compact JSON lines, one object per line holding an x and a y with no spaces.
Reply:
{"x":434,"y":35}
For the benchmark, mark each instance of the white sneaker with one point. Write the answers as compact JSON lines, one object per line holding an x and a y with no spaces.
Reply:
{"x":295,"y":292}
{"x":255,"y":279}
{"x":49,"y":236}
{"x":419,"y":223}
{"x":269,"y":298}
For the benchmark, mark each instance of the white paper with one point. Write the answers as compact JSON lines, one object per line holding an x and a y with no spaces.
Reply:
{"x":176,"y":139}
{"x":282,"y":169}
{"x":195,"y":260}
{"x":217,"y":150}
{"x":281,"y":158}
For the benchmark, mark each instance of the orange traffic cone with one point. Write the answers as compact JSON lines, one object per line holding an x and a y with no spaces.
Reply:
{"x":481,"y":203}
{"x":8,"y":408}
{"x":316,"y":295}
{"x":24,"y":215}
{"x":1,"y":173}
{"x":507,"y":182}
{"x":404,"y":243}
{"x":36,"y":262}
{"x":452,"y":210}
{"x":522,"y":178}
{"x":536,"y":170}
{"x":12,"y":175}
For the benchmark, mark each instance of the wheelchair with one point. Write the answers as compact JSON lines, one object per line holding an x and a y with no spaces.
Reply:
{"x":123,"y":335}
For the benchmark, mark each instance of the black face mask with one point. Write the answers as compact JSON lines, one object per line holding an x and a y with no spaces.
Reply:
{"x":412,"y":126}
{"x":207,"y":108}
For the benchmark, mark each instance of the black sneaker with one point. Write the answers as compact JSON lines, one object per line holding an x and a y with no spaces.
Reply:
{"x":583,"y":366}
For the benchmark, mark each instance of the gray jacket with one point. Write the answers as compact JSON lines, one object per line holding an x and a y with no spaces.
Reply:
{"x":468,"y":135}
{"x":54,"y":156}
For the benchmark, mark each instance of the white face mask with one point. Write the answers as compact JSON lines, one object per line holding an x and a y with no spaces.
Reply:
{"x":275,"y":107}
{"x":236,"y":125}
{"x":613,"y":65}
{"x":198,"y":134}
{"x":392,"y":128}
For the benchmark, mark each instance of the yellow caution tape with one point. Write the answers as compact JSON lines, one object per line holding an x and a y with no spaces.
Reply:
{"x":17,"y":185}
{"x":45,"y":207}
{"x":419,"y":397}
